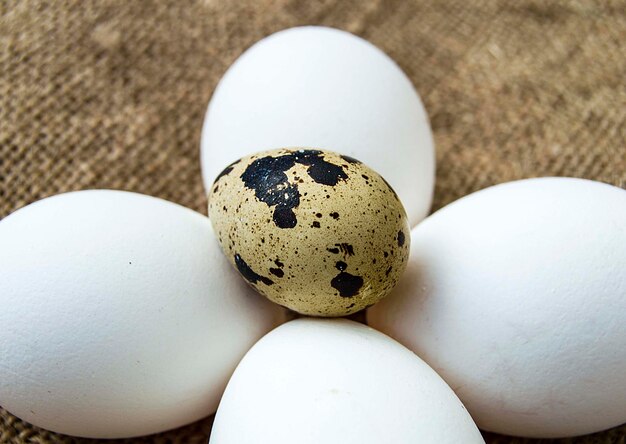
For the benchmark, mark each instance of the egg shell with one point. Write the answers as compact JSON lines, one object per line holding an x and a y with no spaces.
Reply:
{"x":335,"y":381}
{"x":516,"y":295}
{"x":318,"y":86}
{"x":312,"y":230}
{"x":120,"y":315}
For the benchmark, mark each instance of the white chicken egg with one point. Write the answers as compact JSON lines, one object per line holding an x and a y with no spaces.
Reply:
{"x":325,"y":88}
{"x":315,"y":381}
{"x":516,"y":296}
{"x":120,"y":315}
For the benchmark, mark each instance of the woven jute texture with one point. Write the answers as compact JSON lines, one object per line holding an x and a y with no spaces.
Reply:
{"x":111,"y":94}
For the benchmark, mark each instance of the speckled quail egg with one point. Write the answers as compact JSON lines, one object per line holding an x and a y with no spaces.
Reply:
{"x":312,"y":230}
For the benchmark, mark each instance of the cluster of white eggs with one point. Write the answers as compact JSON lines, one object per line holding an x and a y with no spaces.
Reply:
{"x":121,"y":316}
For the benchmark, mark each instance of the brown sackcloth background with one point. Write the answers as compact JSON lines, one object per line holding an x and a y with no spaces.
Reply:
{"x":111,"y":94}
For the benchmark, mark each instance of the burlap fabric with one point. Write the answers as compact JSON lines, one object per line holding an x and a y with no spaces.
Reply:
{"x":111,"y":94}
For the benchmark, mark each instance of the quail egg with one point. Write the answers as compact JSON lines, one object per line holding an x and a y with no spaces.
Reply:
{"x":315,"y":231}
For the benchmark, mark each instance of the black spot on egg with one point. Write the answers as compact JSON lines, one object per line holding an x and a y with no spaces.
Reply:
{"x":400,"y":238}
{"x":347,"y":284}
{"x":326,"y":173}
{"x":226,"y":171}
{"x":284,"y":217}
{"x":315,"y":224}
{"x":346,"y":249}
{"x":320,"y":170}
{"x":249,"y":274}
{"x":334,"y":215}
{"x":277,"y":272}
{"x":341,"y":265}
{"x":350,"y":159}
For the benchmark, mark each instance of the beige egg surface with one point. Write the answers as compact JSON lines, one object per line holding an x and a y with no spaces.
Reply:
{"x":312,"y":230}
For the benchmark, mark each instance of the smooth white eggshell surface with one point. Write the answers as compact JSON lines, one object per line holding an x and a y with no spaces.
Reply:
{"x":315,"y":381}
{"x":120,"y":316}
{"x":516,"y":296}
{"x":325,"y":88}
